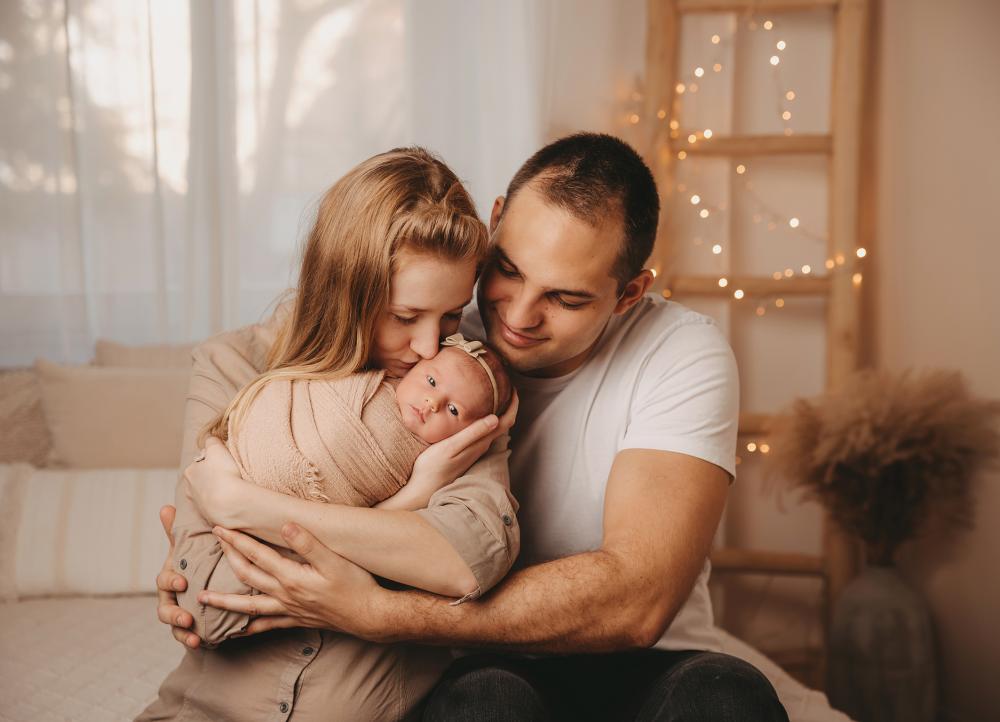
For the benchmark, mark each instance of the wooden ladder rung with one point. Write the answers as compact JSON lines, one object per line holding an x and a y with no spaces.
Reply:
{"x":750,"y":285}
{"x":756,"y":424}
{"x":748,"y":561}
{"x":755,"y":6}
{"x":747,"y":145}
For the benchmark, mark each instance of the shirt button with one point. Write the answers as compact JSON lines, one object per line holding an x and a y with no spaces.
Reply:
{"x":507,"y":521}
{"x":308,"y":651}
{"x":184,"y":564}
{"x":283,"y":707}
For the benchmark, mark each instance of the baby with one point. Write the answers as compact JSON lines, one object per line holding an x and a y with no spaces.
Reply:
{"x":351,"y":440}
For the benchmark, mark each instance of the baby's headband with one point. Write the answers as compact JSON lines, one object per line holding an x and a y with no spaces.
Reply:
{"x":476,"y":350}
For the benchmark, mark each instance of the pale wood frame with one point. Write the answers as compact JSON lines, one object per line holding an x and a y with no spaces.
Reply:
{"x":840,"y":557}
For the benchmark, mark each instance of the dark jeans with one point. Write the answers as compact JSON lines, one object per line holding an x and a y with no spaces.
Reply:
{"x":637,"y":686}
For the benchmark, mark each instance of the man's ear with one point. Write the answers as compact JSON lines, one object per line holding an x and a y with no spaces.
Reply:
{"x":495,"y":213}
{"x":634,"y":290}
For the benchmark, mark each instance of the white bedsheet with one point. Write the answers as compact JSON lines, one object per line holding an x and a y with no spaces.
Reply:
{"x":102,"y":659}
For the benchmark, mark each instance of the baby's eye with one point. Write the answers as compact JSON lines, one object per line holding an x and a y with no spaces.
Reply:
{"x":431,"y":381}
{"x":452,"y":409}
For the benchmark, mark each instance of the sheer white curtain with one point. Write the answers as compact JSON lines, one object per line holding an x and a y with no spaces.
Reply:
{"x":159,"y":160}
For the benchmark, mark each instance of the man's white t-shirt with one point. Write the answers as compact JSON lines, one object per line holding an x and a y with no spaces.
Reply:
{"x":661,"y":377}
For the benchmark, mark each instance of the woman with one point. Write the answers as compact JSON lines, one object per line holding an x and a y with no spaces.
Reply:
{"x":387,"y":269}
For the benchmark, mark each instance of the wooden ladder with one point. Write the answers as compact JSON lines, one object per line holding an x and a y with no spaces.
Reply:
{"x":840,"y":556}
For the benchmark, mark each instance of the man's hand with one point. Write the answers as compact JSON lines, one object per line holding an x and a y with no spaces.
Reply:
{"x":168,"y":583}
{"x":443,"y":462}
{"x":326,"y":592}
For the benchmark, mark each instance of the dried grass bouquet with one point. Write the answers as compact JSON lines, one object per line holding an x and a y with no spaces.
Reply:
{"x":888,"y":453}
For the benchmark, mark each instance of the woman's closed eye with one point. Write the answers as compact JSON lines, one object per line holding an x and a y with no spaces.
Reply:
{"x":405,"y":320}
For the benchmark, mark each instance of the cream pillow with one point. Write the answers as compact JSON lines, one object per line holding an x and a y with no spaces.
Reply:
{"x":110,"y":353}
{"x":102,"y":418}
{"x":82,"y":532}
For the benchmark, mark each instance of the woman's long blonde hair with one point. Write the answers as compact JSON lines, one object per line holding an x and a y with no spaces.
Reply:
{"x":403,"y":199}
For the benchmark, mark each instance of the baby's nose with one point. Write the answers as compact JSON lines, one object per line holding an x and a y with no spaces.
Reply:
{"x":431,"y":404}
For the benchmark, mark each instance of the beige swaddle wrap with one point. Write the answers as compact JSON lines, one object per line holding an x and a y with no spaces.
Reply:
{"x":340,"y":441}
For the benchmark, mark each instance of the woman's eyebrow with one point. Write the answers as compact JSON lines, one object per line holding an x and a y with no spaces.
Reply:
{"x":415,"y":309}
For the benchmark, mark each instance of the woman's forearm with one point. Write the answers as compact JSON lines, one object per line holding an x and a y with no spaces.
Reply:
{"x":394,"y":544}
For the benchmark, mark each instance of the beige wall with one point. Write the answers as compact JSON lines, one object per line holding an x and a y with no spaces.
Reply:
{"x":935,"y":303}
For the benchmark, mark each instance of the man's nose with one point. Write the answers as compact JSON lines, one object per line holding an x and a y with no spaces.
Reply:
{"x":522,"y":311}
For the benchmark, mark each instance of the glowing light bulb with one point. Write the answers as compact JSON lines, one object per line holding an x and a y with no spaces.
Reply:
{"x":741,"y":169}
{"x":738,"y":294}
{"x":789,"y":273}
{"x":861,"y":252}
{"x":680,"y":88}
{"x":751,"y":447}
{"x":667,"y":293}
{"x":717,"y":67}
{"x":776,"y":275}
{"x":790,"y":95}
{"x":695,"y":199}
{"x":716,"y":40}
{"x":692,"y":138}
{"x":780,"y":303}
{"x":708,"y":133}
{"x":829,"y":263}
{"x":840,"y":259}
{"x":761,"y":310}
{"x":788,"y":131}
{"x":723,"y":282}
{"x":764,"y":448}
{"x":703,"y":213}
{"x":682,"y":154}
{"x":856,"y":279}
{"x":699,"y":71}
{"x":661,"y":114}
{"x":787,"y":115}
{"x":775,"y":60}
{"x":780,"y":45}
{"x":675,"y":124}
{"x":807,"y":268}
{"x":793,"y":222}
{"x":634,"y":118}
{"x":693,"y":87}
{"x":717,"y":249}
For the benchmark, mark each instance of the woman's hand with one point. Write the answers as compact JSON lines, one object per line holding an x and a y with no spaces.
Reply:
{"x":441,"y":463}
{"x":214,"y":482}
{"x":327,"y":592}
{"x":168,"y":583}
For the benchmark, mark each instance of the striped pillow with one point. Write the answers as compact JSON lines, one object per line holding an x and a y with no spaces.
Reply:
{"x":93,"y":531}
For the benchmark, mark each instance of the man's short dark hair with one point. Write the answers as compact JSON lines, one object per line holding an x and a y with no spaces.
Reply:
{"x":594,"y":175}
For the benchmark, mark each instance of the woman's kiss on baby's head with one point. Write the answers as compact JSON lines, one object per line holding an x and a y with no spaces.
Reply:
{"x":441,"y":396}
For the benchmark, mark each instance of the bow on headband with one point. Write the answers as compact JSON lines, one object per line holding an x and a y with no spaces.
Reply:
{"x":476,"y":350}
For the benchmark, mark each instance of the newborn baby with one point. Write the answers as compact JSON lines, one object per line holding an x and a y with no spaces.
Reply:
{"x":351,"y":440}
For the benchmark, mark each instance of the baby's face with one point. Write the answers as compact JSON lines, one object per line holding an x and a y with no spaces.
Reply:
{"x":441,"y":396}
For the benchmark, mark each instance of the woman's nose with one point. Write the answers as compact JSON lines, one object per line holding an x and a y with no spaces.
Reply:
{"x":425,"y":342}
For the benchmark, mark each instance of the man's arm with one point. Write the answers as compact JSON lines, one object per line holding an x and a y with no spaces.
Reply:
{"x":661,"y":512}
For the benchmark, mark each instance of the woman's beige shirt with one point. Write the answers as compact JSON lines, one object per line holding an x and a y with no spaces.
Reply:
{"x":306,"y":674}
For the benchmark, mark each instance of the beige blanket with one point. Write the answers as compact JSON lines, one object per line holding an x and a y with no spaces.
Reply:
{"x":340,"y":441}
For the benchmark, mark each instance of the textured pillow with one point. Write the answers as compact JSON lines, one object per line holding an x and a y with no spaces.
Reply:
{"x":110,"y":353}
{"x":82,"y":532}
{"x":103,"y":418}
{"x":24,"y":435}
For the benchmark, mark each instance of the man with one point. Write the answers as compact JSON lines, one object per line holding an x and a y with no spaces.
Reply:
{"x":622,"y":456}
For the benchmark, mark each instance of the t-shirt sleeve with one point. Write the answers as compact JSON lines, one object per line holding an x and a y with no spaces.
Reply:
{"x":686,"y":398}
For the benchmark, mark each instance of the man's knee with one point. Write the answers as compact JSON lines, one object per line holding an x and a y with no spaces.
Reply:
{"x":489,"y":692}
{"x":713,"y":686}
